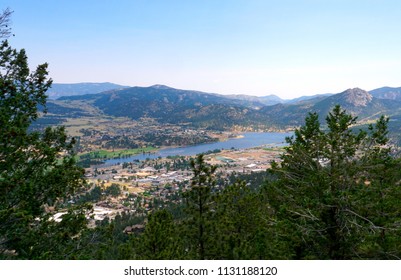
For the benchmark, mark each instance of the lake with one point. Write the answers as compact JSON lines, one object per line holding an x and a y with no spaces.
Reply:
{"x":249,"y":140}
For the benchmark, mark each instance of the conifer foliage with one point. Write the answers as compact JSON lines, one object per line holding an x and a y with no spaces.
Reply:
{"x":334,"y":195}
{"x":338,"y":190}
{"x":199,"y":206}
{"x":37,"y":170}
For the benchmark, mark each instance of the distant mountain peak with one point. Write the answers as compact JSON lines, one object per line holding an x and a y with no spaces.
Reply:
{"x":157,"y":86}
{"x":387,"y":93}
{"x":59,"y":90}
{"x":357,"y":97}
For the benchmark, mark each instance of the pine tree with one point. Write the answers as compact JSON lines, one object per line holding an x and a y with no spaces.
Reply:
{"x":330,"y":185}
{"x":199,"y":207}
{"x":379,"y":195}
{"x":243,"y":224}
{"x":37,"y":170}
{"x":160,"y":240}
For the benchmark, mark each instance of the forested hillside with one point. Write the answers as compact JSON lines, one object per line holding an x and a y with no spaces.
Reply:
{"x":335,"y":194}
{"x":213,"y":111}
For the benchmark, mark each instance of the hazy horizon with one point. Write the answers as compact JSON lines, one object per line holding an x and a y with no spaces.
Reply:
{"x":294,"y":97}
{"x":286,"y":48}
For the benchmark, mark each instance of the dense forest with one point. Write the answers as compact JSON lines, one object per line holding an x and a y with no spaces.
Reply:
{"x":335,"y":195}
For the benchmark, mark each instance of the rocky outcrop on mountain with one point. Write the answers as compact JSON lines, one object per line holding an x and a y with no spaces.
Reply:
{"x":356,"y":97}
{"x":214,"y":111}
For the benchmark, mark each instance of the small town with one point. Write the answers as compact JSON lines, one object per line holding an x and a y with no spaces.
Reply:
{"x":94,"y":133}
{"x":210,"y":131}
{"x":140,"y":185}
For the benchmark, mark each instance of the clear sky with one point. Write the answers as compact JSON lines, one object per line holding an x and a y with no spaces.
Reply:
{"x":282,"y":47}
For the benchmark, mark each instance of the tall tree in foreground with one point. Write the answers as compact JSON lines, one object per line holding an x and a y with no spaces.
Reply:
{"x":379,"y":195}
{"x":199,"y":205}
{"x":37,"y":170}
{"x":337,"y":191}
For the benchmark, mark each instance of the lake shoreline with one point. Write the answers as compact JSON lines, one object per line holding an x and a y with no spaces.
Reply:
{"x":242,"y":141}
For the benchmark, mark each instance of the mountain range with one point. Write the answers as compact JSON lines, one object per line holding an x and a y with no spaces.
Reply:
{"x":222,"y":112}
{"x":167,"y":105}
{"x":58,"y":90}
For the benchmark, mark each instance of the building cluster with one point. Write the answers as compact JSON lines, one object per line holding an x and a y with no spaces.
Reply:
{"x":143,"y":183}
{"x":129,"y":134}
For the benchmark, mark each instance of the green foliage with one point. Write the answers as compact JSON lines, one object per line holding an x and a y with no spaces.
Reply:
{"x":113,"y":190}
{"x":103,"y":154}
{"x":108,"y":240}
{"x":37,"y":170}
{"x":199,"y":205}
{"x":160,"y":240}
{"x":242,"y":224}
{"x":337,"y":191}
{"x":94,"y":195}
{"x":335,"y":195}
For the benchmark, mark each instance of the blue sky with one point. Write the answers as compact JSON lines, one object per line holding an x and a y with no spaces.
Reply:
{"x":282,"y":47}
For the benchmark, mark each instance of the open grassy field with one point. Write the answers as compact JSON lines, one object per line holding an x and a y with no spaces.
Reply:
{"x":104,"y":154}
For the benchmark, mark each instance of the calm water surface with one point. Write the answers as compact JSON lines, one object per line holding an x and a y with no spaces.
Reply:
{"x":250,"y":140}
